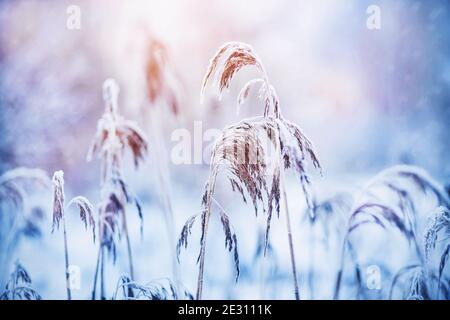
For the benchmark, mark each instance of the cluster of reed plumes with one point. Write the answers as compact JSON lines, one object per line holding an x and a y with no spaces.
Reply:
{"x":254,"y":168}
{"x":391,"y":202}
{"x":115,"y":137}
{"x":255,"y":156}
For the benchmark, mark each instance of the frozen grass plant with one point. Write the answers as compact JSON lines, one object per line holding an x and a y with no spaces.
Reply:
{"x":19,"y":286}
{"x":163,"y":88}
{"x":17,"y":218}
{"x":422,"y":277}
{"x":114,"y":137}
{"x":59,"y":215}
{"x":400,"y":213}
{"x":162,"y":289}
{"x":242,"y":152}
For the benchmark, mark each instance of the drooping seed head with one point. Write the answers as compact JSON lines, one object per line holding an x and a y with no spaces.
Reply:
{"x":58,"y":198}
{"x":86,"y":212}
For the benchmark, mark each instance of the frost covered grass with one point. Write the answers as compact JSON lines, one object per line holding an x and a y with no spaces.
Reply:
{"x":59,"y":215}
{"x":391,"y":201}
{"x":114,"y":137}
{"x":240,"y":149}
{"x":387,"y":239}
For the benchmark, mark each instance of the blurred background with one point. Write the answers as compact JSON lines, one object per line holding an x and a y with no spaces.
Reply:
{"x":366,"y":98}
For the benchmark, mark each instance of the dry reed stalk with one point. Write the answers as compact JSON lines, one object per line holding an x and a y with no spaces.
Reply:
{"x":114,"y":137}
{"x":401,"y":215}
{"x":240,"y":149}
{"x":163,"y":87}
{"x":59,"y":214}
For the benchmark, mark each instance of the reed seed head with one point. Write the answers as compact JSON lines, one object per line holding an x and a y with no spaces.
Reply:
{"x":58,"y":198}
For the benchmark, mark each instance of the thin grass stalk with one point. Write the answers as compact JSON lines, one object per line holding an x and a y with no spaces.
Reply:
{"x":66,"y":258}
{"x":341,"y":270}
{"x":439,"y":285}
{"x":288,"y":222}
{"x":102,"y":273}
{"x":100,"y":265}
{"x":312,"y":247}
{"x":127,"y":238}
{"x":97,"y":268}
{"x":347,"y":244}
{"x":99,"y":262}
{"x":14,"y":291}
{"x":357,"y":269}
{"x":201,"y":268}
{"x":163,"y":179}
{"x":202,"y":263}
{"x":289,"y":234}
{"x":128,"y":241}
